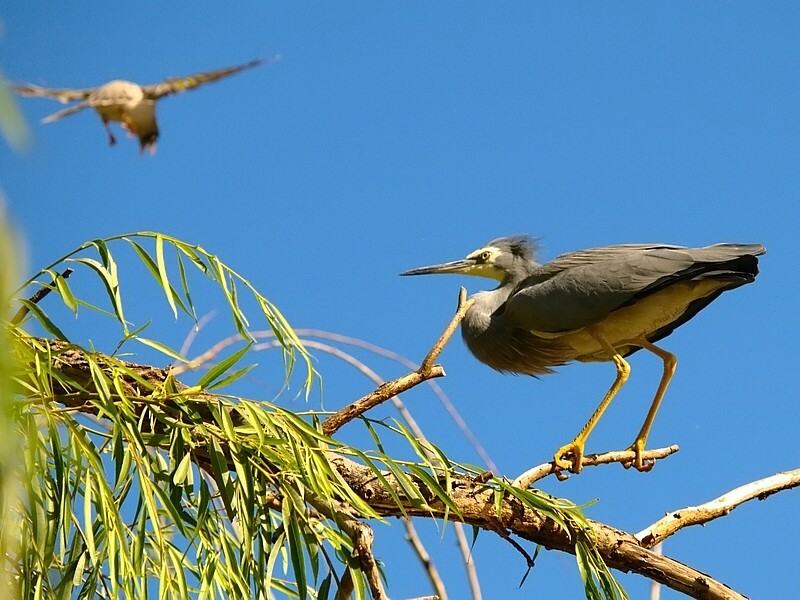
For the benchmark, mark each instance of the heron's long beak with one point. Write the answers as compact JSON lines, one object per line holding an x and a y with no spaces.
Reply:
{"x":465,"y":265}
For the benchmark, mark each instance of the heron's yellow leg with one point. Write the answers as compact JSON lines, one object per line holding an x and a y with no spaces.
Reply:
{"x":570,"y":455}
{"x":670,"y":362}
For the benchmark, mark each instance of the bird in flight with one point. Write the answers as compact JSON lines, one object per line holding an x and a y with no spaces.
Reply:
{"x":595,"y":305}
{"x":130,"y":104}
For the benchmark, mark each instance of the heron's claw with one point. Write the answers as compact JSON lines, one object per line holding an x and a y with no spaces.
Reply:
{"x":638,"y":462}
{"x":570,"y":456}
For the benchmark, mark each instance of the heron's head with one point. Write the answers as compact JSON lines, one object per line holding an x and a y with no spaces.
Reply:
{"x":500,"y":259}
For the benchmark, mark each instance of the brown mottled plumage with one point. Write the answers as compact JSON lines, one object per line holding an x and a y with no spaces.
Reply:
{"x":132,"y":105}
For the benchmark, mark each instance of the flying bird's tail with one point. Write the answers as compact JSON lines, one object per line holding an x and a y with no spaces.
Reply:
{"x":65,"y":112}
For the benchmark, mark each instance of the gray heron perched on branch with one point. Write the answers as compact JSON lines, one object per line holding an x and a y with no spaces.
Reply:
{"x":600,"y":304}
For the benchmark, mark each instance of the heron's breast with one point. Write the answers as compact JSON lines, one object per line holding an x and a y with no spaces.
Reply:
{"x":640,"y":319}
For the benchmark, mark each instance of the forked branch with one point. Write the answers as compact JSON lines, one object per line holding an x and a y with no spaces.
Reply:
{"x":719,"y":507}
{"x":427,"y":370}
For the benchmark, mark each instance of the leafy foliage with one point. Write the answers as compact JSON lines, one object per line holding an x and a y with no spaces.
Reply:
{"x":134,"y":485}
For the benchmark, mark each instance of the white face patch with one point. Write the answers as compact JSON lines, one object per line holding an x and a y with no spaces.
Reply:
{"x":485,"y":267}
{"x":480,"y":253}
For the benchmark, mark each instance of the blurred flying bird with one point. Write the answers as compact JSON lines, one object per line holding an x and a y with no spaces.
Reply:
{"x":134,"y":106}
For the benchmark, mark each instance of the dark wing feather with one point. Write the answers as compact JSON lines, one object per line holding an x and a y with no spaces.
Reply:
{"x":63,"y":95}
{"x":578,"y":289}
{"x":176,"y":85}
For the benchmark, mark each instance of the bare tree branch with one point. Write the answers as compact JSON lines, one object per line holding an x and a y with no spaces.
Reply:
{"x":533,"y":475}
{"x":425,"y":558}
{"x":427,"y":370}
{"x":472,"y":573}
{"x":719,"y":507}
{"x":476,"y":504}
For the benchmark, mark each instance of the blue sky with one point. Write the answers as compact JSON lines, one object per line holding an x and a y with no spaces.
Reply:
{"x":395,"y":135}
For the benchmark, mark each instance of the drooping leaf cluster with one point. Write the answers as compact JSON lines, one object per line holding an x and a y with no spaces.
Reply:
{"x":131,"y":484}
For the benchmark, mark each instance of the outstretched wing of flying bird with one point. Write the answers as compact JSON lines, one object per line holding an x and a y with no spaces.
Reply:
{"x":177,"y":85}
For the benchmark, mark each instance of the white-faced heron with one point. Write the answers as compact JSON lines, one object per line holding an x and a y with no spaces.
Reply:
{"x":600,"y":304}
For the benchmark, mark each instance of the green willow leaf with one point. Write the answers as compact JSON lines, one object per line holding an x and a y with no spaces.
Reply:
{"x":295,"y":540}
{"x":162,"y":273}
{"x":222,"y":367}
{"x":65,"y":292}
{"x":163,"y":348}
{"x":44,"y":320}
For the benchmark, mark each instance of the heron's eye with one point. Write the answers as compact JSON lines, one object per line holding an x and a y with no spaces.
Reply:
{"x":484,"y":256}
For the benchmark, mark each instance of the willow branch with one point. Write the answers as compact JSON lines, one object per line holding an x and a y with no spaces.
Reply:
{"x":719,"y":507}
{"x":534,"y":474}
{"x":476,"y":502}
{"x":427,"y":370}
{"x":411,"y":533}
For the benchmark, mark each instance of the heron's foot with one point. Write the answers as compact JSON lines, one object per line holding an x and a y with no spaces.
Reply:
{"x":111,"y":139}
{"x":638,"y":462}
{"x":570,"y":456}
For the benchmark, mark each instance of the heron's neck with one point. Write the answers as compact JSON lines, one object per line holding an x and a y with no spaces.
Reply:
{"x":484,"y":305}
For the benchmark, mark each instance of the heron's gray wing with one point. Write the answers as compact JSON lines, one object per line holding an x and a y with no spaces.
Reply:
{"x":63,"y":95}
{"x":176,"y":85}
{"x":581,"y":288}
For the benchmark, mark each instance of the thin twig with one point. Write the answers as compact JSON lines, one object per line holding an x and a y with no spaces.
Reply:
{"x":189,"y":339}
{"x":361,"y":368}
{"x":37,"y":297}
{"x":590,"y":460}
{"x":362,"y":537}
{"x":425,"y":558}
{"x":461,"y":310}
{"x":469,"y":564}
{"x":427,"y":370}
{"x":719,"y":507}
{"x":530,"y":561}
{"x":655,"y":587}
{"x":409,"y":364}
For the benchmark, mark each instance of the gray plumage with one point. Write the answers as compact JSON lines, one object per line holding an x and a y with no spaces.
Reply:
{"x":600,"y":304}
